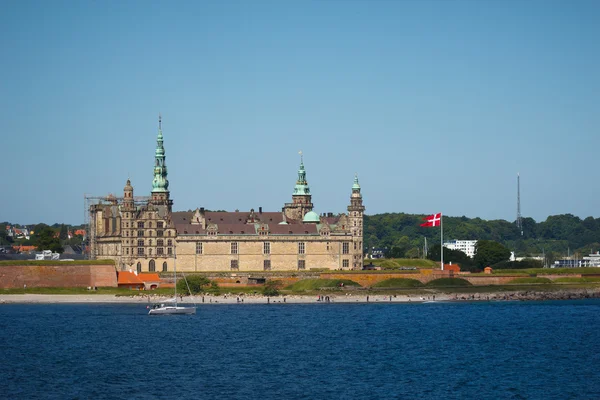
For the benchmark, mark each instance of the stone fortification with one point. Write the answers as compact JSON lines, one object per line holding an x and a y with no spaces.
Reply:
{"x":17,"y":276}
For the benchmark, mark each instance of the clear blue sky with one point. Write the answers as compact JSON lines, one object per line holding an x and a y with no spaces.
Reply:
{"x":435,"y":104}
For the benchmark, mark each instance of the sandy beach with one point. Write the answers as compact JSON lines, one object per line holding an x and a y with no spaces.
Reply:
{"x":566,"y":294}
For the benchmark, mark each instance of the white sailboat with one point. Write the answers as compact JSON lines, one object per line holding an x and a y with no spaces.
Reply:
{"x":168,"y":307}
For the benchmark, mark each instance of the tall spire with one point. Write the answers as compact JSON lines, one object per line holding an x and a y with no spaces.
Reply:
{"x":356,"y":186}
{"x":301,"y":187}
{"x":160,"y":182}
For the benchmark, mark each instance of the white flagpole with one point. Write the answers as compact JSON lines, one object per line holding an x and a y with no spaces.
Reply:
{"x":442,"y":239}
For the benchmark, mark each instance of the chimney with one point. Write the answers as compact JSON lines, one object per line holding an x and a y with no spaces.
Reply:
{"x":201,"y":210}
{"x":260,"y":210}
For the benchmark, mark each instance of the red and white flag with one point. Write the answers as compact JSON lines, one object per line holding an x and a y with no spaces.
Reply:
{"x":432,"y":220}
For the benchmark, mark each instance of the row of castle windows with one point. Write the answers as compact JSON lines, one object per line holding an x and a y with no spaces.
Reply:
{"x":159,"y":251}
{"x":159,"y":242}
{"x":151,"y":266}
{"x":158,"y":233}
{"x":235,"y":266}
{"x":234,"y":247}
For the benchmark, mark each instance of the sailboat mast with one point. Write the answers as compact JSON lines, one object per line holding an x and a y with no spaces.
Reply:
{"x":175,"y":271}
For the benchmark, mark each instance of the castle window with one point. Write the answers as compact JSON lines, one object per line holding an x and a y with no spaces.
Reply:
{"x":345,"y":248}
{"x":141,"y":242}
{"x":149,"y":242}
{"x":199,"y":248}
{"x":149,"y":251}
{"x":152,"y":266}
{"x":150,"y":223}
{"x":169,"y":233}
{"x":140,"y":251}
{"x":327,"y":246}
{"x":234,"y":247}
{"x":234,"y":265}
{"x":159,"y":233}
{"x":159,"y":251}
{"x":301,"y":264}
{"x":140,"y":233}
{"x":139,"y":267}
{"x":165,"y":266}
{"x":127,"y":250}
{"x":159,"y":224}
{"x":141,"y":225}
{"x":355,"y":245}
{"x":267,"y":248}
{"x":345,"y":263}
{"x":169,"y":250}
{"x":159,"y":242}
{"x":267,"y":265}
{"x":301,"y":246}
{"x":169,"y":242}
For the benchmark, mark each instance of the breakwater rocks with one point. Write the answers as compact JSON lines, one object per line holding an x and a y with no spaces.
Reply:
{"x":530,"y":295}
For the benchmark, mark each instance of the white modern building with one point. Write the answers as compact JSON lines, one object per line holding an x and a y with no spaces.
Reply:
{"x":466,"y":246}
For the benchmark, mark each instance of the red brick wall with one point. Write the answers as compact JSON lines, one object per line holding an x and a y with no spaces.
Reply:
{"x":15,"y":276}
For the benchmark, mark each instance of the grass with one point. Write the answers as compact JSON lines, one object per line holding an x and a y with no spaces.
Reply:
{"x":56,"y":262}
{"x":398,"y":283}
{"x":316,"y":284}
{"x":397,"y":263}
{"x":577,"y":280}
{"x":531,"y":280}
{"x":73,"y":290}
{"x":549,"y":271}
{"x":448,"y":282}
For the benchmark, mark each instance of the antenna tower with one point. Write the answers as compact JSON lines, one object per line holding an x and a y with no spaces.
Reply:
{"x":519,"y":220}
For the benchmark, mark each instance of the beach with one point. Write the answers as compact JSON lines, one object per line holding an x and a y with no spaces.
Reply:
{"x":563,"y":294}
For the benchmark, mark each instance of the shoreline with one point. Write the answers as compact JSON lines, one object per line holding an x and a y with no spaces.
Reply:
{"x":300,"y":299}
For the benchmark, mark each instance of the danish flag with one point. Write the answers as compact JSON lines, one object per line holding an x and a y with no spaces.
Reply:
{"x":432,"y":220}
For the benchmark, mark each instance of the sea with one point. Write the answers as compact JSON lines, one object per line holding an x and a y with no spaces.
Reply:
{"x":455,"y":350}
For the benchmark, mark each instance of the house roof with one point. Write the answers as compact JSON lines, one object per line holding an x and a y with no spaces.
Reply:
{"x":128,"y":278}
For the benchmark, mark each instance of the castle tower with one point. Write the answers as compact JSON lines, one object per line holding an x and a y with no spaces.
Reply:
{"x":128,"y":196}
{"x":301,"y":199}
{"x":355,"y":216}
{"x":160,"y":183}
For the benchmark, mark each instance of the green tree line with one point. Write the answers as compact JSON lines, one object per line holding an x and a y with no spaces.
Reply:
{"x":402,"y":236}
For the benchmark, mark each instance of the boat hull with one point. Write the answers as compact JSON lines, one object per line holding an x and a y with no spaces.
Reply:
{"x":172,"y":310}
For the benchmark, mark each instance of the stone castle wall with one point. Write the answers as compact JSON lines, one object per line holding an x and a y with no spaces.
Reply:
{"x":16,"y":276}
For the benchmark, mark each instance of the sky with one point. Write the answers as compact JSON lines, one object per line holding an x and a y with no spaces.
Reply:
{"x":436,"y":105}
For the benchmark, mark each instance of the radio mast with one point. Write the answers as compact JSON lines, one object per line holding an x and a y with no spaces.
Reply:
{"x":519,"y":220}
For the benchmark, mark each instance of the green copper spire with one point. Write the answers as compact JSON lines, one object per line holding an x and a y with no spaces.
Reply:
{"x":355,"y":186}
{"x":301,"y":187}
{"x":160,"y":182}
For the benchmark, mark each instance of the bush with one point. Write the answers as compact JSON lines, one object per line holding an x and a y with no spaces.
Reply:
{"x":196,"y":283}
{"x":524,"y":264}
{"x":270,"y":288}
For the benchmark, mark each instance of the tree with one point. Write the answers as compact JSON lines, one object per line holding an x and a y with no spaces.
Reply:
{"x":488,"y":252}
{"x":46,"y":240}
{"x":197,"y":284}
{"x":64,"y":232}
{"x":454,"y":256}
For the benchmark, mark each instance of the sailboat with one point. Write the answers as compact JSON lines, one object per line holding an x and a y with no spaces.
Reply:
{"x":168,"y":307}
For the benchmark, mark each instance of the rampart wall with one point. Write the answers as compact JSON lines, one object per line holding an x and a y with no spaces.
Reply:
{"x":17,"y":276}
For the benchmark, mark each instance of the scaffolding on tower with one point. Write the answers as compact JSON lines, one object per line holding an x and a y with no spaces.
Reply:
{"x":90,"y":241}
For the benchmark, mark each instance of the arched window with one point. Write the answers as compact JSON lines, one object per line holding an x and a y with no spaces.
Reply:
{"x":152,"y":266}
{"x":139,"y":267}
{"x":165,"y":266}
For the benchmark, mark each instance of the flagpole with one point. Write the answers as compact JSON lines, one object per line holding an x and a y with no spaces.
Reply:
{"x":442,"y":239}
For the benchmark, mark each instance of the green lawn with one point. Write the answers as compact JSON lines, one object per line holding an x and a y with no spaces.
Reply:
{"x":316,"y":284}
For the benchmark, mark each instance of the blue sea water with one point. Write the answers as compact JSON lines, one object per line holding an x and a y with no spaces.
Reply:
{"x":503,"y":350}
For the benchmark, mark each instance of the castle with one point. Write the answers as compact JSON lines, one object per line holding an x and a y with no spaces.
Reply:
{"x":148,"y":236}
